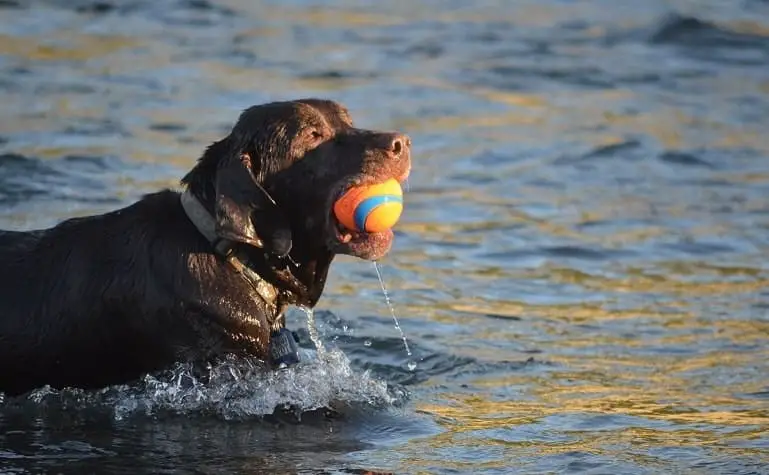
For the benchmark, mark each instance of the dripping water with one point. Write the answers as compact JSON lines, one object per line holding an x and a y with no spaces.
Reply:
{"x":312,"y":329}
{"x":411,"y":364}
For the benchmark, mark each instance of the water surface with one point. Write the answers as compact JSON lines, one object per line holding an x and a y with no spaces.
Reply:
{"x":581,"y":270}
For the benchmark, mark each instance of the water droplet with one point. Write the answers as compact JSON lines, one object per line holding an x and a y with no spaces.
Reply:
{"x":412,"y":365}
{"x":367,"y":343}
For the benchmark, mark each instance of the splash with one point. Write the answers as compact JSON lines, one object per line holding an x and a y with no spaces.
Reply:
{"x":312,"y":329}
{"x":237,"y":388}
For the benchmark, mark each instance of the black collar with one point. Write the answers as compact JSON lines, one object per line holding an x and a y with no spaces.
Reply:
{"x":206,"y":225}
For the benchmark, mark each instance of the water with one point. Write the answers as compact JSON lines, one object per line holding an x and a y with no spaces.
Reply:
{"x":411,"y":364}
{"x":312,"y":329}
{"x":581,"y":266}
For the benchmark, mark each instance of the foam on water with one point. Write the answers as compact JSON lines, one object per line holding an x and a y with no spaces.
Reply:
{"x":237,"y":388}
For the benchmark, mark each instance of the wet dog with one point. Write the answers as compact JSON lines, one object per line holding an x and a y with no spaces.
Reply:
{"x":195,"y":275}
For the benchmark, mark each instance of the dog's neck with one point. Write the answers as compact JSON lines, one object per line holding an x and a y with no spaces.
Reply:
{"x":205,"y":224}
{"x":278,"y":285}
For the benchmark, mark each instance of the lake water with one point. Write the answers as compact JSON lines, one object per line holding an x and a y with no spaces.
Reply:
{"x":581,"y":270}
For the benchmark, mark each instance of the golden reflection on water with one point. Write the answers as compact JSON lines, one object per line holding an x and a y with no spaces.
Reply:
{"x":659,"y":284}
{"x":750,"y":27}
{"x":532,"y":118}
{"x":675,"y":392}
{"x":688,"y":419}
{"x":65,"y":46}
{"x":592,"y":369}
{"x":668,"y":125}
{"x":661,"y":397}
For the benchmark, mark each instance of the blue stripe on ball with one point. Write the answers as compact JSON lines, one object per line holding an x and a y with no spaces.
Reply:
{"x":368,"y":205}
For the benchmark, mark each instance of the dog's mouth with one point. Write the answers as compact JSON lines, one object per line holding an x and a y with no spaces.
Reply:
{"x":361,"y":244}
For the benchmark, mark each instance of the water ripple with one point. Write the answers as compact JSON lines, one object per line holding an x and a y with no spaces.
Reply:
{"x":580,"y":269}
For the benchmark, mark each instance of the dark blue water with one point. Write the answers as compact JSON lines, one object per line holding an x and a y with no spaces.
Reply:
{"x":581,"y":269}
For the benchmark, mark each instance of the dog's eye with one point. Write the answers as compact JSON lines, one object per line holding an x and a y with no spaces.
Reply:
{"x":315,"y":134}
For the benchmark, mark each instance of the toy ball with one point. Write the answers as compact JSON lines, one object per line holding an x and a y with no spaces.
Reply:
{"x":371,"y":208}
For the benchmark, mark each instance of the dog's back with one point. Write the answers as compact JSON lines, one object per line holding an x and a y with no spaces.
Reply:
{"x":72,"y":298}
{"x":20,"y":293}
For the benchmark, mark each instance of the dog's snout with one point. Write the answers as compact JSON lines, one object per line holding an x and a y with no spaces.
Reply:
{"x":394,"y":144}
{"x":398,"y":144}
{"x":396,"y":147}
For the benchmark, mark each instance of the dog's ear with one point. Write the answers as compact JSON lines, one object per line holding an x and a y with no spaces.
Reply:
{"x":244,"y":211}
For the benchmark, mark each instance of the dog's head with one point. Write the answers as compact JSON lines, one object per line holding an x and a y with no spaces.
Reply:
{"x":273,"y":181}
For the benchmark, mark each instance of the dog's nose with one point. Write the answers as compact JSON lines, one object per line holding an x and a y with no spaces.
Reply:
{"x":399,"y":143}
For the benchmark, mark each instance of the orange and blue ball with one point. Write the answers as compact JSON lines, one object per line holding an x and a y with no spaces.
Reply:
{"x":370,"y":208}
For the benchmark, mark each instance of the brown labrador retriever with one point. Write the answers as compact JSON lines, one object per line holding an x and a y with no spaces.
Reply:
{"x":104,"y":299}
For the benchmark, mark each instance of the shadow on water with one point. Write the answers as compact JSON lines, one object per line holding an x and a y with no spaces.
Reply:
{"x":580,"y":271}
